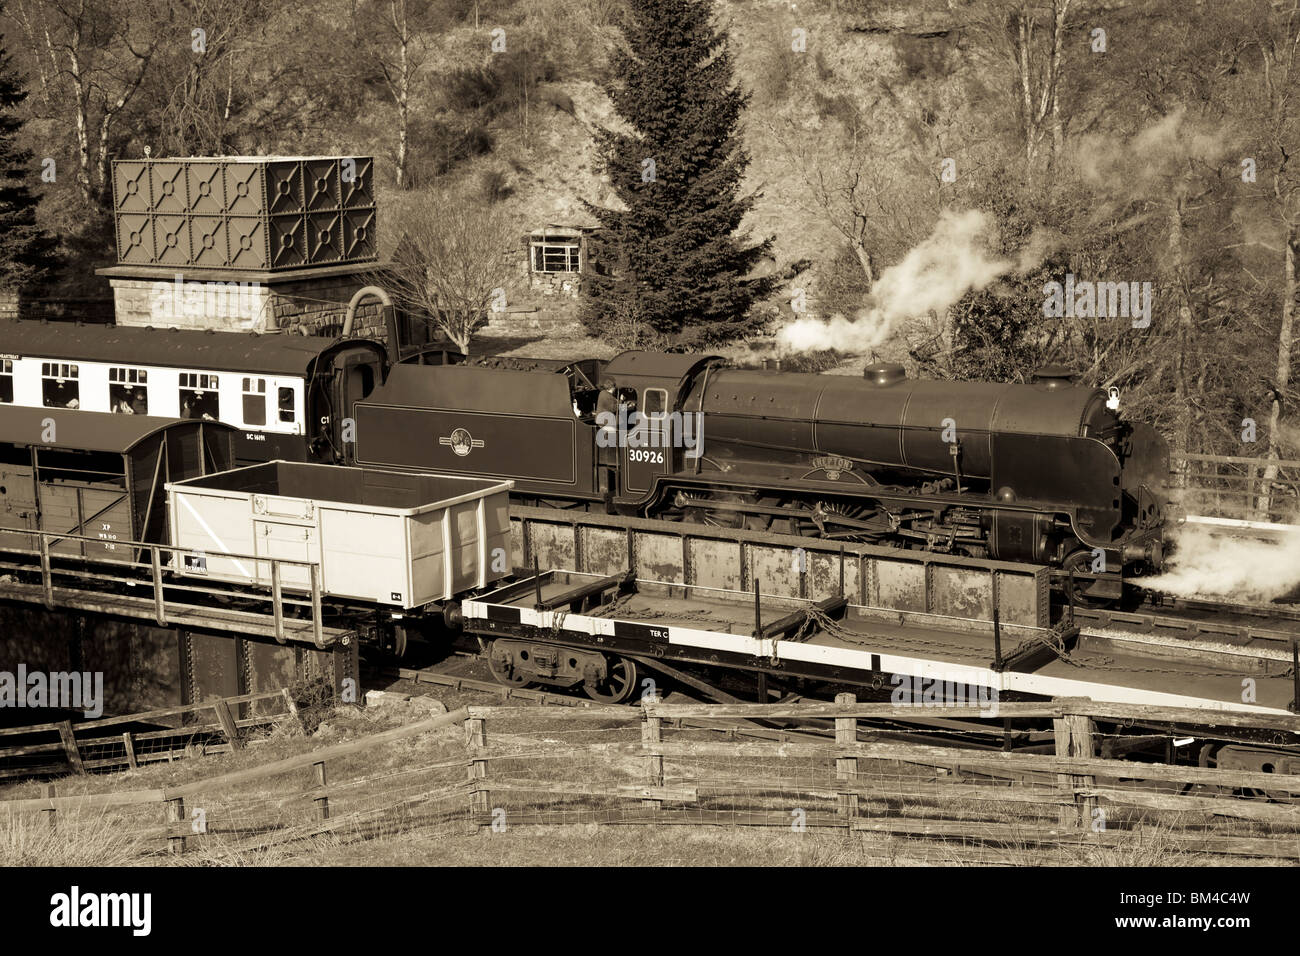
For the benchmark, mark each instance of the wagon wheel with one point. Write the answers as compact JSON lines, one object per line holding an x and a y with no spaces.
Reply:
{"x":618,"y":685}
{"x":512,"y":679}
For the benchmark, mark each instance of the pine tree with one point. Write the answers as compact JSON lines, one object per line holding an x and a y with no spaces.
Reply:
{"x":25,"y":248}
{"x":671,"y":258}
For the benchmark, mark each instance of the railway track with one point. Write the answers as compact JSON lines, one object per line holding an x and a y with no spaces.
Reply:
{"x":1231,"y":623}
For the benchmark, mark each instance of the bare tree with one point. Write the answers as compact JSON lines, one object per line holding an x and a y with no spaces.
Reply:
{"x":388,"y":37}
{"x":1276,"y":39}
{"x":1025,"y":39}
{"x":452,"y":263}
{"x":197,"y":117}
{"x":98,"y":53}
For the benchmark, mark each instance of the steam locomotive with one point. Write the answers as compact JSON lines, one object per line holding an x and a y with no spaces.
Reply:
{"x":1045,"y":472}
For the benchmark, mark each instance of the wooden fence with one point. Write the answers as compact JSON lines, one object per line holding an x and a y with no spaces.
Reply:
{"x":867,"y":769}
{"x":981,"y":798}
{"x":85,"y":746}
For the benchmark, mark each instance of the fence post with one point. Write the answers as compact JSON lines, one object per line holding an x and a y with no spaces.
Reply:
{"x":277,"y":602}
{"x":49,"y":814}
{"x":175,"y":816}
{"x":846,"y":768}
{"x":322,"y":802}
{"x":476,"y":741}
{"x":1081,"y":745}
{"x":69,"y":738}
{"x":651,"y":737}
{"x":228,"y":725}
{"x":129,"y":743}
{"x":1074,"y":738}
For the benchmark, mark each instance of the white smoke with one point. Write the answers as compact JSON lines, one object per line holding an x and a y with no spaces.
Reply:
{"x":1208,"y":564}
{"x":936,"y":273}
{"x":1142,"y":164}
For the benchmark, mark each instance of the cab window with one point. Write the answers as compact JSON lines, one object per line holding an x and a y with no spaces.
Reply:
{"x":656,"y":403}
{"x":6,"y":381}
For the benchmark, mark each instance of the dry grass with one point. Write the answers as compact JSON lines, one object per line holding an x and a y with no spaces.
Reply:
{"x":405,"y":803}
{"x":86,"y":838}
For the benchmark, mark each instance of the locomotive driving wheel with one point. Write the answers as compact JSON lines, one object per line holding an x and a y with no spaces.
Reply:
{"x":1076,"y":589}
{"x":821,"y":519}
{"x":733,"y":516}
{"x":619,"y":683}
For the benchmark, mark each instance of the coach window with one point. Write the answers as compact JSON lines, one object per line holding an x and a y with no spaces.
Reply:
{"x":286,"y":405}
{"x":198,"y":395}
{"x":254,"y":390}
{"x":60,"y":387}
{"x":128,"y":391}
{"x":656,"y":403}
{"x":7,"y":381}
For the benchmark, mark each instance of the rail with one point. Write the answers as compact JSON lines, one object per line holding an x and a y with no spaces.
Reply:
{"x":104,"y":582}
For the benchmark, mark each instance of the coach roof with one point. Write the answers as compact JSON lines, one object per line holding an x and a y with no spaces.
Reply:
{"x":77,"y":430}
{"x":281,"y":354}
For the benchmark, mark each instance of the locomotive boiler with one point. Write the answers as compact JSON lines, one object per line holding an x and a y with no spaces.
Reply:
{"x":1044,"y":472}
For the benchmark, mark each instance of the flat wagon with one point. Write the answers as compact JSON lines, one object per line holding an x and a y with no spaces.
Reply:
{"x":398,"y":539}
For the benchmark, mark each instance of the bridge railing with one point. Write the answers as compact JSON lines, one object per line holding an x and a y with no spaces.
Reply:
{"x":126,"y":567}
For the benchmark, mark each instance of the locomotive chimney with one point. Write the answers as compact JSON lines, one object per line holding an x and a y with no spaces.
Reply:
{"x":1053,"y":377}
{"x":884,"y":373}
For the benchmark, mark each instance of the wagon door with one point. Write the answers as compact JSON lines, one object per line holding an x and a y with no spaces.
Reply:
{"x":286,"y":542}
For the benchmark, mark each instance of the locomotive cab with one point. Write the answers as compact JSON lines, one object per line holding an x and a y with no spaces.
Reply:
{"x":652,"y":431}
{"x":342,"y":375}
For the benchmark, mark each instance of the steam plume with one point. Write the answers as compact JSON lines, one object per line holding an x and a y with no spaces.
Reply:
{"x":932,"y":276}
{"x":1205,"y":564}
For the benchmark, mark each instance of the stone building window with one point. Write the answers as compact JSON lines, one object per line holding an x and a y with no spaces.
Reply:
{"x":557,"y":256}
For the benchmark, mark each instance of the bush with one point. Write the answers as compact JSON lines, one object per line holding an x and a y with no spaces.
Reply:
{"x":314,"y":698}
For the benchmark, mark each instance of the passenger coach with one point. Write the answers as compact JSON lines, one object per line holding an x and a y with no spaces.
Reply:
{"x":280,"y":391}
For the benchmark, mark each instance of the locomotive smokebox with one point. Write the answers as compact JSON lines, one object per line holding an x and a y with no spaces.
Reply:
{"x":1053,"y":376}
{"x":884,"y":373}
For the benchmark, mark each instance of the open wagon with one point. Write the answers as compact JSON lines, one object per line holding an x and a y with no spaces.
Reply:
{"x":400,"y":539}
